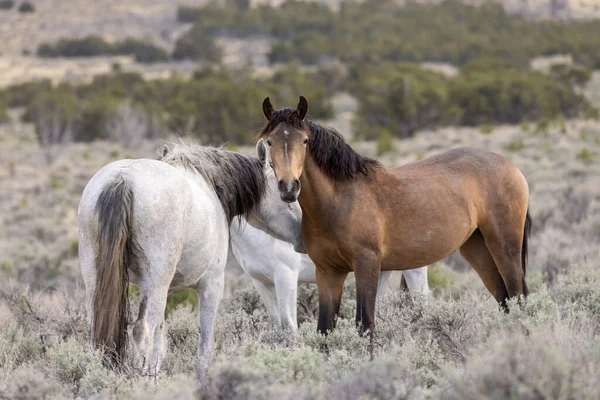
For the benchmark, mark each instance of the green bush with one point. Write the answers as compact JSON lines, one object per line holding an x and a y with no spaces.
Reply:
{"x":21,"y":94}
{"x":85,"y":47}
{"x":6,"y":4}
{"x":181,"y":297}
{"x":93,"y":45}
{"x":376,"y":30}
{"x":403,"y":98}
{"x":399,"y":98}
{"x":385,"y":143}
{"x":196,"y":45}
{"x":142,"y":51}
{"x":26,"y":7}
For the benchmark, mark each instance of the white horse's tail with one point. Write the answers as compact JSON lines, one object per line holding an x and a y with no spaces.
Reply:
{"x":116,"y":252}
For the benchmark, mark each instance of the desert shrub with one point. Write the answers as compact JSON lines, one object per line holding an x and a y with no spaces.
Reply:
{"x":219,"y":106}
{"x":93,"y":45}
{"x":585,"y":155}
{"x":307,"y":48}
{"x":516,"y":145}
{"x":399,"y":98}
{"x":377,"y":30}
{"x":26,"y":7}
{"x":4,"y":117}
{"x":511,"y":96}
{"x":187,"y":14}
{"x":54,"y":113}
{"x":486,"y":129}
{"x":181,"y":297}
{"x":18,"y":347}
{"x":551,"y":365}
{"x":576,"y":289}
{"x":142,"y":51}
{"x":75,"y":366}
{"x":571,"y":74}
{"x":21,"y":94}
{"x":385,"y":143}
{"x":383,"y":379}
{"x":28,"y":382}
{"x":7,"y":268}
{"x":196,"y":45}
{"x":6,"y":4}
{"x":440,"y":277}
{"x":235,"y":382}
{"x":85,"y":47}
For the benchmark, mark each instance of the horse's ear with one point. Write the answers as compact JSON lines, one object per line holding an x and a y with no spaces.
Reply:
{"x":268,"y":108}
{"x":302,"y":108}
{"x":165,"y":150}
{"x":261,"y":151}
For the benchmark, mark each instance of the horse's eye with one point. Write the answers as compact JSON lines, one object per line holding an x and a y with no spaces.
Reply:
{"x":268,"y":143}
{"x":305,"y":140}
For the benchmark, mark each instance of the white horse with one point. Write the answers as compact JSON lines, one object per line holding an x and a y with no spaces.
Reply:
{"x":276,"y":269}
{"x":165,"y":225}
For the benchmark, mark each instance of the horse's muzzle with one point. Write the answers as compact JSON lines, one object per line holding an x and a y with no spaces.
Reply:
{"x":289,"y":190}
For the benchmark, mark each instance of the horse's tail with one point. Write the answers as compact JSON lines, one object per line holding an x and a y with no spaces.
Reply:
{"x":115,"y":253}
{"x":524,"y":249}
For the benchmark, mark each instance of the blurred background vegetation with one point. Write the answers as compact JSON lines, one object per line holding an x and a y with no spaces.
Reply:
{"x":373,"y":50}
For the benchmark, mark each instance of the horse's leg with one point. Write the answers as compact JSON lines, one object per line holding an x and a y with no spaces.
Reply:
{"x":149,"y":325}
{"x":159,"y":348}
{"x":330,"y":284}
{"x":366,"y":273}
{"x":88,"y":272}
{"x":416,"y":280}
{"x":210,"y":291}
{"x":505,"y":245}
{"x":477,"y":254}
{"x":382,"y":286}
{"x":286,"y":285}
{"x":267,"y":294}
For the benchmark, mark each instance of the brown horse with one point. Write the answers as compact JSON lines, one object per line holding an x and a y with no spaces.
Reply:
{"x":359,"y":216}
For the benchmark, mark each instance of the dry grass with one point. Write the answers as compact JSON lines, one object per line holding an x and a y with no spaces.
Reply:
{"x":456,"y":345}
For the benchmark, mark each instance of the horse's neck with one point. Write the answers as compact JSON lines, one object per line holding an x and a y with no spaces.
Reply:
{"x":317,"y":191}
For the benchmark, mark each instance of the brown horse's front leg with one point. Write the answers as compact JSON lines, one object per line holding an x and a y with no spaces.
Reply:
{"x":366,"y":272}
{"x":330,"y":284}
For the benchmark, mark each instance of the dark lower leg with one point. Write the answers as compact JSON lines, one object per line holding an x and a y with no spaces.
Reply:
{"x":330,"y":284}
{"x":366,"y":272}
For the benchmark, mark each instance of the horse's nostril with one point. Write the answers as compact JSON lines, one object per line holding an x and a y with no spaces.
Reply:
{"x":281,"y":185}
{"x":296,"y":184}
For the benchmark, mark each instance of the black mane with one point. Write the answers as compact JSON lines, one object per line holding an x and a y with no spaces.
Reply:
{"x":327,"y":147}
{"x":238,"y":181}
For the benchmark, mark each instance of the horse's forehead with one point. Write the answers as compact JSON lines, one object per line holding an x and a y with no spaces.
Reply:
{"x":287,"y":132}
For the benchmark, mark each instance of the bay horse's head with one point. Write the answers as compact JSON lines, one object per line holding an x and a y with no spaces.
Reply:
{"x":286,"y":135}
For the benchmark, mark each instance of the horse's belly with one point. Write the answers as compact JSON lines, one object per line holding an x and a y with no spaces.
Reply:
{"x":423,"y":248}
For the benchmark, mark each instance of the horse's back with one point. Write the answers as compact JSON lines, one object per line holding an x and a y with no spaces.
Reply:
{"x":465,"y":171}
{"x":441,"y":200}
{"x":173,"y":215}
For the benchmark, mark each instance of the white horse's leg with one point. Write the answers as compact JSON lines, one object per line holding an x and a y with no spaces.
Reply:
{"x":382,"y":286}
{"x":87,"y":263}
{"x":269,"y":297}
{"x":416,"y":280}
{"x":148,"y":328}
{"x":159,"y":347}
{"x":286,"y":286}
{"x":210,"y":291}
